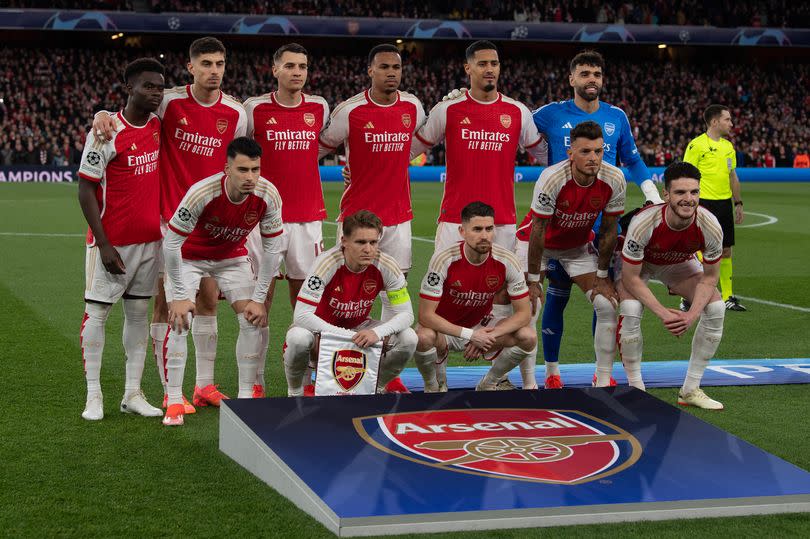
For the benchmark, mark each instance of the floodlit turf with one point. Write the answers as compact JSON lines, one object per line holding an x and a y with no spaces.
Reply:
{"x":128,"y":476}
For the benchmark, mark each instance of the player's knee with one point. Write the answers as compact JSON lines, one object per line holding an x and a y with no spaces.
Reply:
{"x":246,"y":326}
{"x":298,"y":340}
{"x":97,"y":313}
{"x":605,"y":311}
{"x":526,"y":338}
{"x":426,"y":338}
{"x":713,"y":315}
{"x":136,"y":310}
{"x":203,"y":324}
{"x":631,"y":309}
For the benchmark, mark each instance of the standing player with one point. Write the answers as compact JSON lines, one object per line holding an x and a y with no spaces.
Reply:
{"x":661,"y":244}
{"x":198,"y":122}
{"x":286,"y":124}
{"x":715,"y":158}
{"x":119,"y":196}
{"x":555,"y":121}
{"x":207,"y":236}
{"x":482,"y":130}
{"x":568,"y":198}
{"x":457,"y":294}
{"x":338,"y":297}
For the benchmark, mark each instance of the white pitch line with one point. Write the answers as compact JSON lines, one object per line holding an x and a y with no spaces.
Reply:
{"x":762,"y":301}
{"x":769,"y":220}
{"x":42,"y":234}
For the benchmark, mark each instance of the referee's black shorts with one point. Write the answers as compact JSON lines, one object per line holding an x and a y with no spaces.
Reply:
{"x":724,"y":211}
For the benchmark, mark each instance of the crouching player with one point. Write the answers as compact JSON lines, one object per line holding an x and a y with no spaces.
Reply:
{"x":206,"y":238}
{"x":661,"y":244}
{"x":458,"y":291}
{"x":337,"y":297}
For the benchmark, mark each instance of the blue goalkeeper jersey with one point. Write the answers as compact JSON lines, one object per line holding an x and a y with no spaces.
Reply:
{"x":556,"y":120}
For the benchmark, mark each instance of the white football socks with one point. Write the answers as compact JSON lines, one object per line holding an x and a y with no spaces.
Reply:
{"x":204,"y":334}
{"x":135,"y":337}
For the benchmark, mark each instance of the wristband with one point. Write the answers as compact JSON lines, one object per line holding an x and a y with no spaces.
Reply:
{"x":738,"y":203}
{"x":533,"y":278}
{"x":466,"y":334}
{"x":601,"y":274}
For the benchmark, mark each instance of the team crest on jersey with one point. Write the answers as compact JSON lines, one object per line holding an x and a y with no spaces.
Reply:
{"x":610,"y":129}
{"x":565,"y":447}
{"x":596,"y":201}
{"x":156,"y":136}
{"x":251,"y":217}
{"x":406,"y":120}
{"x":369,"y":286}
{"x":564,"y":204}
{"x":506,"y":120}
{"x":222,"y":125}
{"x":348,"y":367}
{"x":492,"y":281}
{"x":309,"y":119}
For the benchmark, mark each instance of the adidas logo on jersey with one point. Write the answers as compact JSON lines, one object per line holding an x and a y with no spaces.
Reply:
{"x":183,"y":121}
{"x":465,"y":121}
{"x":272,"y":121}
{"x":368,"y":126}
{"x":338,"y":289}
{"x":567,"y":125}
{"x":456,"y":284}
{"x":133,"y":147}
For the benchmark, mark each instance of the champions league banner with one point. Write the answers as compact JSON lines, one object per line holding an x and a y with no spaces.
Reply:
{"x":222,"y":23}
{"x":466,"y":460}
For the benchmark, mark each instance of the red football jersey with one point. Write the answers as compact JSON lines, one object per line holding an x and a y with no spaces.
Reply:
{"x":289,"y":140}
{"x":481,"y":140}
{"x":378,"y":146}
{"x":126,"y":170}
{"x":464,"y":290}
{"x":342,"y":297}
{"x":195,"y":141}
{"x":571,"y":208}
{"x":217,"y":228}
{"x":650,"y":239}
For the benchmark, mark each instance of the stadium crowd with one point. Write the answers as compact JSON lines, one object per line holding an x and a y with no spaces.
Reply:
{"x":724,"y":13}
{"x":46,"y":108}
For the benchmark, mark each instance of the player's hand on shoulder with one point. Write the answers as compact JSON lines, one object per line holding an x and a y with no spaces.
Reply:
{"x":454,"y":94}
{"x":365,"y":338}
{"x":112,"y":260}
{"x":256,"y":314}
{"x":347,"y":176}
{"x":103,"y":125}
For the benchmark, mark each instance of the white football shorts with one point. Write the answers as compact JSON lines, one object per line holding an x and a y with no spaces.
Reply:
{"x":142,"y":262}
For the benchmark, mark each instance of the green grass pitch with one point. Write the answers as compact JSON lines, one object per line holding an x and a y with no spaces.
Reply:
{"x":129,"y":476}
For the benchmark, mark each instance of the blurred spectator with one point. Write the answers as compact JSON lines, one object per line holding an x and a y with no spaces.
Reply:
{"x":802,"y":160}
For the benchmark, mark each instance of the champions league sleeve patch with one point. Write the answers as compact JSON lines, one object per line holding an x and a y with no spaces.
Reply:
{"x":314,"y":283}
{"x":543,"y":200}
{"x":183,"y":214}
{"x":93,"y":158}
{"x":633,"y":247}
{"x":433,"y":278}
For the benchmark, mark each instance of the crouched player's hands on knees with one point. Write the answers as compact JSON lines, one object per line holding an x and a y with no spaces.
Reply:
{"x":179,"y":311}
{"x":256,"y":314}
{"x":365,"y":338}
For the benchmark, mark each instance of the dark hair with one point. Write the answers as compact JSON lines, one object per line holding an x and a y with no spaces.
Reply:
{"x":361,"y":219}
{"x":385,"y":47}
{"x":244,"y":146}
{"x":680,"y":170}
{"x":587,"y":57}
{"x":588,"y":129}
{"x":481,"y":45}
{"x":476,"y":209}
{"x":142,"y":65}
{"x":712,"y":112}
{"x":205,"y":45}
{"x":289,"y":47}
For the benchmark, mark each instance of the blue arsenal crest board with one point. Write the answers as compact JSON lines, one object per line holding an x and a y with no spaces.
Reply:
{"x":388,"y":464}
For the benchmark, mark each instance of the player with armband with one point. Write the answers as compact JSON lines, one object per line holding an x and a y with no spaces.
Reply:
{"x":207,"y":237}
{"x":337,"y":298}
{"x":457,"y":297}
{"x":661,"y":243}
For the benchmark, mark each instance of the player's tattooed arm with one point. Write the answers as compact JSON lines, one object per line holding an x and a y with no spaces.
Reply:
{"x":89,"y":204}
{"x":608,"y":234}
{"x":534,"y":279}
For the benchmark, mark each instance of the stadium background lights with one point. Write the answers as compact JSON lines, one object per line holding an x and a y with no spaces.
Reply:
{"x":662,"y":46}
{"x":116,"y":36}
{"x":161,"y":55}
{"x":399,"y":41}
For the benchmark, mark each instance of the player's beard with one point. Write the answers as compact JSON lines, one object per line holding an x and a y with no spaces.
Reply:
{"x":583,"y":93}
{"x":489,"y":87}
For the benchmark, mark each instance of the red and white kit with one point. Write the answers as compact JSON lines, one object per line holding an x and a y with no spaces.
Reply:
{"x":195,"y":141}
{"x":126,"y":171}
{"x":668,"y":254}
{"x":572,"y":211}
{"x":481,"y":140}
{"x":213,"y":230}
{"x":378,"y":146}
{"x":465,"y":291}
{"x":289,"y":140}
